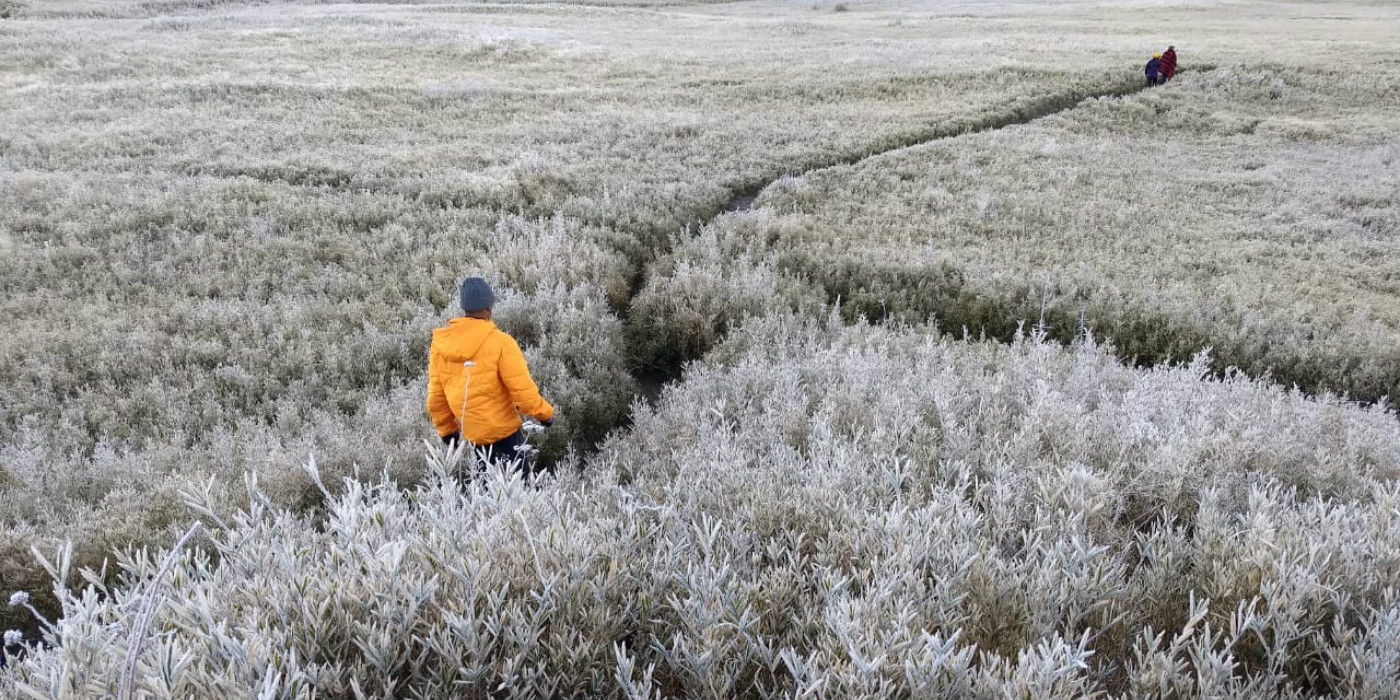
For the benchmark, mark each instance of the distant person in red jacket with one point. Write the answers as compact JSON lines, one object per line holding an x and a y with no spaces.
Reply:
{"x":1169,"y":63}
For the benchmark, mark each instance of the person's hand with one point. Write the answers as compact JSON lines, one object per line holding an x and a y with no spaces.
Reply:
{"x":452,"y":440}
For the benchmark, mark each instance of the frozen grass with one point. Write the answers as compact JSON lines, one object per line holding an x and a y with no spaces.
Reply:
{"x":1253,"y":209}
{"x":227,"y":231}
{"x":226,"y":228}
{"x":826,"y":511}
{"x":132,"y":9}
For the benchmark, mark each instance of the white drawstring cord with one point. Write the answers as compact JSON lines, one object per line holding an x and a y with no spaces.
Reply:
{"x":466,"y":391}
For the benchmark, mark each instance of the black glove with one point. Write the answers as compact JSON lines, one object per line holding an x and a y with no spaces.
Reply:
{"x":452,"y":440}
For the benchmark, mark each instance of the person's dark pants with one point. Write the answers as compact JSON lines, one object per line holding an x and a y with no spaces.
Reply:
{"x":1153,"y":79}
{"x":500,"y":452}
{"x":503,"y":450}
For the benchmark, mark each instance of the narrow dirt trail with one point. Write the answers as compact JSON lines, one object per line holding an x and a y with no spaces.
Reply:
{"x":1046,"y":107}
{"x":1138,"y":351}
{"x":653,"y":377}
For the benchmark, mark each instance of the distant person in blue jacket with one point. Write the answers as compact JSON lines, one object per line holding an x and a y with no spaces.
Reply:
{"x":1154,"y":70}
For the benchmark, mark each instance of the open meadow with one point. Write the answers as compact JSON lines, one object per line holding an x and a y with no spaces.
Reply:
{"x":987,"y":372}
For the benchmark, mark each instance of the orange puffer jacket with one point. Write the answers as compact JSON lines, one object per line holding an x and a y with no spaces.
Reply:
{"x":483,"y":401}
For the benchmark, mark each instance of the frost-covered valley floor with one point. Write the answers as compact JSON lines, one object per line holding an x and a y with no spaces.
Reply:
{"x":938,"y":422}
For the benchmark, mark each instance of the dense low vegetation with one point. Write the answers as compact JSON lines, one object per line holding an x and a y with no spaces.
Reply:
{"x":226,"y":229}
{"x":818,"y":510}
{"x":227,"y":233}
{"x":1250,"y":209}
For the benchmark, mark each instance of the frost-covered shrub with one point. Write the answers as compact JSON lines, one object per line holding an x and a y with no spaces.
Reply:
{"x":1036,"y":459}
{"x":854,"y":512}
{"x":227,"y":228}
{"x":577,"y":356}
{"x":180,"y":309}
{"x":709,"y":281}
{"x":1248,"y":209}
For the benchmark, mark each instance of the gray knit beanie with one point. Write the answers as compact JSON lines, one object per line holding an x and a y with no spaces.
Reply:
{"x":476,"y":294}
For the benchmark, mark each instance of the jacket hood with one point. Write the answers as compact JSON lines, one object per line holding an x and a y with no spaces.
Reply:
{"x":462,"y":338}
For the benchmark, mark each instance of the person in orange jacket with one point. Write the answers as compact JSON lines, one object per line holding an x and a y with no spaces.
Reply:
{"x":478,"y":383}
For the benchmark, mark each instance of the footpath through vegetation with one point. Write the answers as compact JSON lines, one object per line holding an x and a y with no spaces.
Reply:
{"x":819,"y":506}
{"x":661,"y":344}
{"x":183,"y":309}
